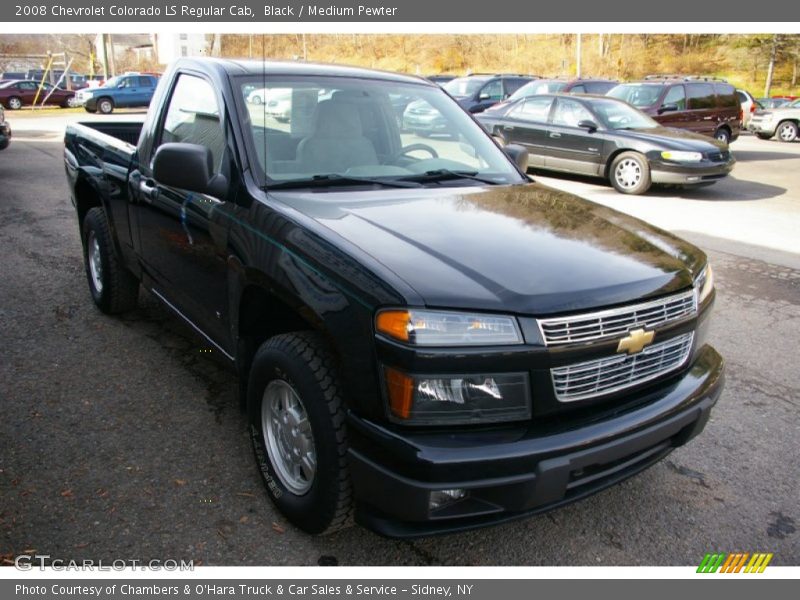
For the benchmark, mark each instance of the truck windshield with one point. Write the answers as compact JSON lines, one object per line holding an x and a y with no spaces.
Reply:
{"x":337,"y":130}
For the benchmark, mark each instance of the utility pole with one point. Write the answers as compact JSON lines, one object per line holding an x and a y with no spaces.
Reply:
{"x":578,"y":57}
{"x":104,"y":48}
{"x":773,"y":54}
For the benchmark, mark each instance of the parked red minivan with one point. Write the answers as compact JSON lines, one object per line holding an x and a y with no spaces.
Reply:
{"x":705,"y":105}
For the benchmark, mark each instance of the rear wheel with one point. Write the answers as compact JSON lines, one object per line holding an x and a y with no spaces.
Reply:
{"x":114,"y":289}
{"x":298,"y":431}
{"x":14,"y":103}
{"x":630,"y":173}
{"x":723,"y":135}
{"x":787,"y":131}
{"x":764,"y":136}
{"x":105,"y":106}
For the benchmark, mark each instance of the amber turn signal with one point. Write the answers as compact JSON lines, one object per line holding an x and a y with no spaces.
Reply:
{"x":394,"y":323}
{"x":401,"y":392}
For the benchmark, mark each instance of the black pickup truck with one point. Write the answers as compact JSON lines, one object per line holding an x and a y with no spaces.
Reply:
{"x":426,"y":340}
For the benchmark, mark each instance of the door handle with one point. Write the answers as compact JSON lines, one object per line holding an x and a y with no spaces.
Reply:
{"x":554,"y":134}
{"x":148,"y":190}
{"x":508,"y":127}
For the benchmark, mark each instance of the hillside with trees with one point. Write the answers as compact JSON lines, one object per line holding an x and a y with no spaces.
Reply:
{"x":742,"y":59}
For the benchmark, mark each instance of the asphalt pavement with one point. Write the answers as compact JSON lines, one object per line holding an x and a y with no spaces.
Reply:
{"x":121,"y":438}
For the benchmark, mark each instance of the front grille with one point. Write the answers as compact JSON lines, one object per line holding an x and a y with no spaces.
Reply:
{"x":603,"y":376}
{"x":617,"y":321}
{"x":718,"y":156}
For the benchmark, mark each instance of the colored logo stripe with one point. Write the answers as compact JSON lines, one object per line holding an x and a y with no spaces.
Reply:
{"x":733,"y":563}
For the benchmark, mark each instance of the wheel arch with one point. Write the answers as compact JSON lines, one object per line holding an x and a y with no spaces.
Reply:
{"x":612,"y":157}
{"x":86,"y":198}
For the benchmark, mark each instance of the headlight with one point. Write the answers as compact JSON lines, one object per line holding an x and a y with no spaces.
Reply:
{"x":704,"y":284}
{"x":440,"y":328}
{"x":457,"y":399}
{"x":682,"y":156}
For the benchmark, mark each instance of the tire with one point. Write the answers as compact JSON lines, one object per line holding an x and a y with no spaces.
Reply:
{"x":90,"y":110}
{"x":114,"y":289}
{"x":256,"y":100}
{"x":722,"y":135}
{"x":630,"y":173}
{"x":764,"y":136}
{"x":787,"y":131}
{"x":71,"y":102}
{"x":14,"y":103}
{"x":287,"y":370}
{"x":105,"y":105}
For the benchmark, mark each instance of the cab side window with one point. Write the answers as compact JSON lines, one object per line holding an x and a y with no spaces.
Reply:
{"x":492,"y":90}
{"x":677,"y":96}
{"x":193,"y":117}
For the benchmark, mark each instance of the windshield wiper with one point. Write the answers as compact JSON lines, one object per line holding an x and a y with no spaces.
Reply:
{"x":446,"y":174}
{"x":334,"y":179}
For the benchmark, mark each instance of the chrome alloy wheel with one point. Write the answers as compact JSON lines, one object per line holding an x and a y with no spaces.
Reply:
{"x":15,"y":103}
{"x":288,"y":436}
{"x":787,"y":132}
{"x":628,"y":173}
{"x":95,"y":262}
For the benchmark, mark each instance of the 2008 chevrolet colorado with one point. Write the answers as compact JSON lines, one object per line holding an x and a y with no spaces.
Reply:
{"x":427,"y":341}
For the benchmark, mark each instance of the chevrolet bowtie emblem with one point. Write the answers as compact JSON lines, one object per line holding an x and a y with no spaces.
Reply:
{"x":635,"y":341}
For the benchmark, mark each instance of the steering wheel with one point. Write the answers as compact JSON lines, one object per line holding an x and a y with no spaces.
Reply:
{"x":411,"y":147}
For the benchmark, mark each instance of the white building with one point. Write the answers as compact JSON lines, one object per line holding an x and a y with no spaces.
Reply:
{"x":175,"y":45}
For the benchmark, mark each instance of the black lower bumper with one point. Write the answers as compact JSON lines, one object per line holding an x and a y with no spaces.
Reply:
{"x":507,"y":476}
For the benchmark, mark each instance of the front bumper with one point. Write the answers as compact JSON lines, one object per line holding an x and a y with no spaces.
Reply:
{"x":512,"y":473}
{"x":703,"y":172}
{"x":762,"y":126}
{"x":5,"y":135}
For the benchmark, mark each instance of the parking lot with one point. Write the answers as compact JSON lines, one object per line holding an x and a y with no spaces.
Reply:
{"x":122,"y":439}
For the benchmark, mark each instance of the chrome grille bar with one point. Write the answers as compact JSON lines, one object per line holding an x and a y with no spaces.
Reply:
{"x":613,"y":322}
{"x":599,"y":377}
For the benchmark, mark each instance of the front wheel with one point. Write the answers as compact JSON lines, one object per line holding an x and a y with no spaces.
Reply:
{"x":14,"y":103}
{"x":114,"y":289}
{"x":105,"y":106}
{"x":298,"y":431}
{"x":630,"y":173}
{"x":787,"y":131}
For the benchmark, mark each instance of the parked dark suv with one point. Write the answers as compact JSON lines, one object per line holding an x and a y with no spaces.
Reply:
{"x":478,"y":92}
{"x":701,"y":104}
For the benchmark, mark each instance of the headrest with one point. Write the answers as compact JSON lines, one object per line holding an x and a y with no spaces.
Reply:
{"x":337,"y":119}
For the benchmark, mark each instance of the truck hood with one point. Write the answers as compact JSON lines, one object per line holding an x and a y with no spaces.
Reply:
{"x":526,"y":249}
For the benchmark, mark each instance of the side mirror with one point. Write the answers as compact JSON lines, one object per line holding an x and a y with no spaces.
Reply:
{"x":519,"y":155}
{"x":188,"y":167}
{"x":588,"y":124}
{"x":483,"y":96}
{"x":667,"y":108}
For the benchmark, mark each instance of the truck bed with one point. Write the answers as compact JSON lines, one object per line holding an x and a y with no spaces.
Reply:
{"x":126,"y":131}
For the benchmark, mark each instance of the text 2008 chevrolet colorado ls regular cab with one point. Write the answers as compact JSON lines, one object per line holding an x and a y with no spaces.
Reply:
{"x":427,"y":341}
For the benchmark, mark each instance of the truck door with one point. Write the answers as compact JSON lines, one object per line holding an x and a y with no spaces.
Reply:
{"x":183,"y":235}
